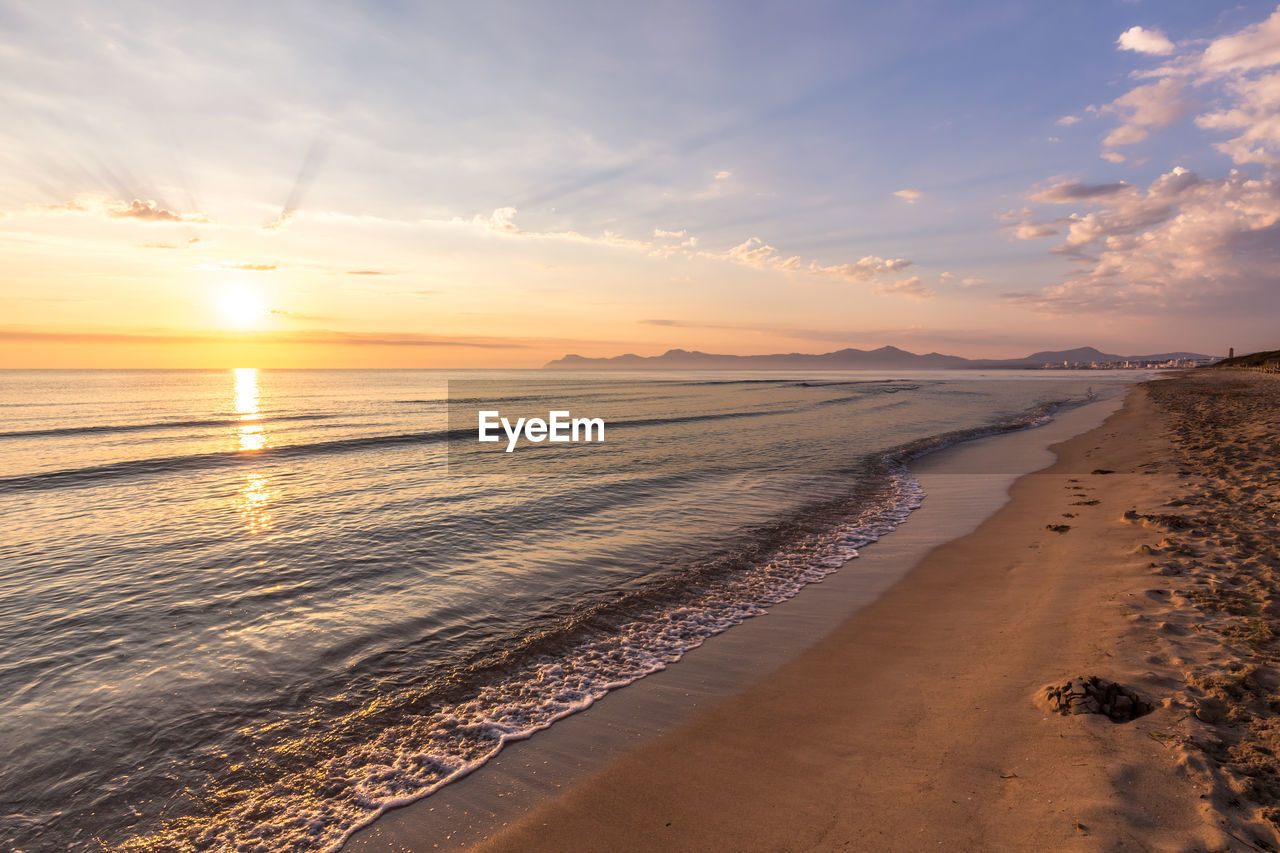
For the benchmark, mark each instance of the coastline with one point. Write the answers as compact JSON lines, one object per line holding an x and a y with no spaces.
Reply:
{"x":965,"y":484}
{"x":938,"y":731}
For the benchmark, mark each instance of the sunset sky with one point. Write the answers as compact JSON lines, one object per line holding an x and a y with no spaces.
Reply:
{"x":498,"y":184}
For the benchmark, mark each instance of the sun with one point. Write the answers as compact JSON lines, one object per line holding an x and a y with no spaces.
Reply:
{"x":242,"y":307}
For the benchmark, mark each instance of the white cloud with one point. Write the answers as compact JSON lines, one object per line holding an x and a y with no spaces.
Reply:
{"x":502,"y":221}
{"x":1237,"y":70}
{"x":1184,"y":241}
{"x":752,"y":252}
{"x":1067,"y":121}
{"x":137,"y":209}
{"x":1145,"y":41}
{"x":1149,"y":107}
{"x":1256,"y":46}
{"x":909,"y":287}
{"x":866,"y":269}
{"x":909,"y":196}
{"x":1254,"y":116}
{"x":720,"y":176}
{"x":1033,"y":230}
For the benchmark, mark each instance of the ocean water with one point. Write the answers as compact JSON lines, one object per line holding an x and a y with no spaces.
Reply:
{"x":250,"y":610}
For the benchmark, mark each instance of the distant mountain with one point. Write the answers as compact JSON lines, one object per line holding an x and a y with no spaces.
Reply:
{"x":884,"y":358}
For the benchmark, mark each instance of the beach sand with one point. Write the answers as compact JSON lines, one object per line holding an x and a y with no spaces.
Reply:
{"x":1141,"y":558}
{"x":922,"y":723}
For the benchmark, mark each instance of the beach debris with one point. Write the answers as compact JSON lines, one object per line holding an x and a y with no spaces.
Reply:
{"x":1058,"y":528}
{"x":1102,"y":471}
{"x":1092,"y":694}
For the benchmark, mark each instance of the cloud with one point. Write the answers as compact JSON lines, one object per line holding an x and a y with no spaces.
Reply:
{"x":1069,"y":191}
{"x":1237,"y":71}
{"x":1033,"y":230}
{"x":720,"y":176}
{"x":1145,"y":108}
{"x":910,"y":287}
{"x":314,"y":337}
{"x":752,"y":252}
{"x":186,"y":244}
{"x":280,"y":222}
{"x":1256,"y":46}
{"x":1255,"y":115}
{"x":1067,"y":121}
{"x":866,"y":269}
{"x":1145,"y":41}
{"x":909,"y":195}
{"x":501,"y":221}
{"x":149,"y":211}
{"x":250,"y":267}
{"x":137,"y":209}
{"x":368,"y":272}
{"x":1184,"y":241}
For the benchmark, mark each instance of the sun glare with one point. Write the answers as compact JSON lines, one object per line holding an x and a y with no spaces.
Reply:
{"x":241,"y":307}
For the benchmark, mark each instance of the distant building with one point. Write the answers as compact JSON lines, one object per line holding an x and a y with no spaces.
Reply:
{"x":1127,"y":364}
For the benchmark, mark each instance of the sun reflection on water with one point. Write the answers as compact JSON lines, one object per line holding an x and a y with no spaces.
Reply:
{"x":249,"y":430}
{"x":253,"y":502}
{"x":254,"y":496}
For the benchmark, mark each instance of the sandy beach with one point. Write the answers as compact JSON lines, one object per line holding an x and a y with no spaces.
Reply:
{"x":1142,"y":557}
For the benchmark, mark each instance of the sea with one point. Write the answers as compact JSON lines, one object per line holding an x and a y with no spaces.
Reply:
{"x":250,"y":610}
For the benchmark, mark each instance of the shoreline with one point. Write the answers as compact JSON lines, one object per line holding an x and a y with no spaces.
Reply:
{"x":1145,"y":555}
{"x":965,"y":484}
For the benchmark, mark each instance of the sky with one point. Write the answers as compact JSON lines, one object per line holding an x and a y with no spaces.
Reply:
{"x":395,"y":184}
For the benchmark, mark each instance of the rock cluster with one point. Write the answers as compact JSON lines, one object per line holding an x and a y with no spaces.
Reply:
{"x":1093,"y":695}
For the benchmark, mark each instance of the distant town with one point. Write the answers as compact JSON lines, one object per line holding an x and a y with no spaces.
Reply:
{"x":1130,"y":364}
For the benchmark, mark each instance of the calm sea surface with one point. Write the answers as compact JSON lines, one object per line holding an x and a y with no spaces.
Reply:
{"x":250,"y":610}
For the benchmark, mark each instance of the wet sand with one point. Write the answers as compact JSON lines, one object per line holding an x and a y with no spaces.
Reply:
{"x":923,"y":723}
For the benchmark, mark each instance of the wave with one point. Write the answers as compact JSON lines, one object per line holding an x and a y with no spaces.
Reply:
{"x":406,"y":744}
{"x":92,"y":474}
{"x":157,"y":425}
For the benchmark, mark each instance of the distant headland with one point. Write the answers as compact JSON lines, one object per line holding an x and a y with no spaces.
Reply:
{"x":884,"y":358}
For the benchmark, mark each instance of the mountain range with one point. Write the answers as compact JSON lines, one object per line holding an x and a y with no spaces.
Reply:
{"x":885,"y":358}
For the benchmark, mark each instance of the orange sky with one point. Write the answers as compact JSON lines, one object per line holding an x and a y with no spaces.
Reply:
{"x":986,"y":181}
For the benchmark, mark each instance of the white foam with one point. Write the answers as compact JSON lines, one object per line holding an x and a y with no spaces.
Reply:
{"x":320,"y":807}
